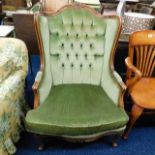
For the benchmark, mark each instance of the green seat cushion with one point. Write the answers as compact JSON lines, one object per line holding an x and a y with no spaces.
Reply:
{"x":76,"y":109}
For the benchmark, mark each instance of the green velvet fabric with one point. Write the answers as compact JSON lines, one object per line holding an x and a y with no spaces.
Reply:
{"x":77,"y":49}
{"x":79,"y":94}
{"x":76,"y":109}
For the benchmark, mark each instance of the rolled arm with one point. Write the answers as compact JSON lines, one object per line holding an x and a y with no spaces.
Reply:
{"x":35,"y":88}
{"x":130,"y":82}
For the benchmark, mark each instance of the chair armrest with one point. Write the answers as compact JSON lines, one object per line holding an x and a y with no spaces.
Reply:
{"x":130,"y":82}
{"x":35,"y":88}
{"x":119,"y":80}
{"x":123,"y":86}
{"x":38,"y":76}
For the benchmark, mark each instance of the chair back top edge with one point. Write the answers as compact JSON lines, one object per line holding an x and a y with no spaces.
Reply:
{"x":143,"y":37}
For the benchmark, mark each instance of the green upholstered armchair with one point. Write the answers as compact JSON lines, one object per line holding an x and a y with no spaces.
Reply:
{"x":13,"y":70}
{"x":78,"y":95}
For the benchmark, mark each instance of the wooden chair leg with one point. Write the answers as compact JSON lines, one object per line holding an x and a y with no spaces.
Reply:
{"x":136,"y":111}
{"x":116,"y":138}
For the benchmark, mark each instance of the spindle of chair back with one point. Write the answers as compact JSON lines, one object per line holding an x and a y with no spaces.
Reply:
{"x":142,"y":52}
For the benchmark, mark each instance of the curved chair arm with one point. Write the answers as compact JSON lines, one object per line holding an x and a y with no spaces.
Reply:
{"x":35,"y":88}
{"x":119,"y":80}
{"x":123,"y":86}
{"x":130,"y":82}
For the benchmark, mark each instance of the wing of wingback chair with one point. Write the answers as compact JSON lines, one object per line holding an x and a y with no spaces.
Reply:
{"x":13,"y":70}
{"x":78,"y":94}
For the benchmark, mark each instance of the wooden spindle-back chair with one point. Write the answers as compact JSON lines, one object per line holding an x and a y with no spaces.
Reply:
{"x":140,"y":69}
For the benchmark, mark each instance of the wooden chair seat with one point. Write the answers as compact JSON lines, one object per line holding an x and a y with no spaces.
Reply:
{"x":143,"y":93}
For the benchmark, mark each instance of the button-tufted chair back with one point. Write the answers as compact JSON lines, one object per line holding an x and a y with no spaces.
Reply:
{"x":77,"y":46}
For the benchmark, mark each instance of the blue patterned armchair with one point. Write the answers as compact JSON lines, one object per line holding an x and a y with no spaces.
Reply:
{"x":13,"y":70}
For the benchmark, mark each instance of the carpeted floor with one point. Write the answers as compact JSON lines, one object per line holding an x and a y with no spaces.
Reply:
{"x":141,"y":141}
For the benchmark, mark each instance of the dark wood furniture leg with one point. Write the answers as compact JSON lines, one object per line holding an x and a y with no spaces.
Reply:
{"x":116,"y":138}
{"x":40,"y":142}
{"x":136,"y":112}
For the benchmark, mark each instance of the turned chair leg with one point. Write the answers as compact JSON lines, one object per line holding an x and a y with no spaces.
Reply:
{"x":136,"y":112}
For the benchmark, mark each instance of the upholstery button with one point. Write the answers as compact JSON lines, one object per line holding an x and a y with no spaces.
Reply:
{"x":72,"y":65}
{"x":77,"y":35}
{"x":76,"y":55}
{"x":81,"y":45}
{"x":57,"y":33}
{"x":91,"y":45}
{"x":67,"y":55}
{"x":86,"y":35}
{"x":62,"y":45}
{"x":90,"y":65}
{"x":85,"y":56}
{"x":72,"y":45}
{"x":63,"y":65}
{"x":81,"y":65}
{"x":67,"y":34}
